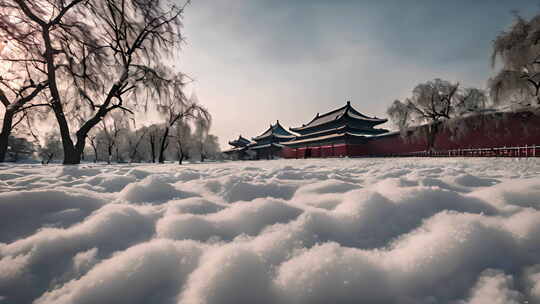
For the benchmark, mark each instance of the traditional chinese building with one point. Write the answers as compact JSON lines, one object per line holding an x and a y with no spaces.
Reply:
{"x":240,"y":142}
{"x":340,"y":132}
{"x":270,"y":143}
{"x":239,"y":148}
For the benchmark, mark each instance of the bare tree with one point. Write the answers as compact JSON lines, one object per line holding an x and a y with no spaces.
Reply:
{"x":518,"y":50}
{"x":153,"y":136}
{"x":211,"y":147}
{"x":433,"y":103}
{"x":19,"y":148}
{"x":183,"y":138}
{"x":21,"y":86}
{"x":201,"y":133}
{"x":111,"y":129}
{"x":180,"y":109}
{"x":94,"y":144}
{"x":100,"y":56}
{"x":470,"y":100}
{"x":399,"y":113}
{"x":51,"y":148}
{"x":134,"y":142}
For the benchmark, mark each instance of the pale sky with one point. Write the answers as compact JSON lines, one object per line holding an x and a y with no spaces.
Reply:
{"x":257,"y":61}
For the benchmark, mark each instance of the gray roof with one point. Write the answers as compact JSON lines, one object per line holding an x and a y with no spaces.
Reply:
{"x":275,"y":130}
{"x":337,"y":114}
{"x":241,"y":141}
{"x":329,"y":136}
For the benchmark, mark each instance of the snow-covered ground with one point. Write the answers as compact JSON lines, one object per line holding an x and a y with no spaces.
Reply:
{"x":288,"y":231}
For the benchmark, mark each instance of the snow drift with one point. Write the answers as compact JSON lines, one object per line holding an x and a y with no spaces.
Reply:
{"x":290,"y":231}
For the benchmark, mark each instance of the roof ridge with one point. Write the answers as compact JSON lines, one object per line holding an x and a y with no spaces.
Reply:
{"x":327,"y":117}
{"x":272,"y":131}
{"x":333,"y":111}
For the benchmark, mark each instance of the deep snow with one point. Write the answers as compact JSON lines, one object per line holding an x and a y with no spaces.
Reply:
{"x":289,"y":231}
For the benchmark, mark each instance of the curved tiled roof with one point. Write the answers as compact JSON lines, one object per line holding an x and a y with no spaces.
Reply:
{"x":241,"y":141}
{"x":337,"y":114}
{"x":275,"y":130}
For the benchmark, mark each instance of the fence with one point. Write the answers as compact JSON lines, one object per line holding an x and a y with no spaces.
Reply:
{"x":523,"y":151}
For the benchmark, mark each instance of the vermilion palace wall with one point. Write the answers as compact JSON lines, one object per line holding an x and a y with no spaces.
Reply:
{"x":493,"y":130}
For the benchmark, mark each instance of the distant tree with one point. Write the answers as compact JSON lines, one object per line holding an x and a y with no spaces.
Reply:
{"x":51,"y":148}
{"x":518,"y":51}
{"x":134,"y":143}
{"x":184,"y":140}
{"x":470,"y":100}
{"x":183,"y":110}
{"x":94,"y":144}
{"x":96,"y":56}
{"x":111,"y":129}
{"x":433,"y":103}
{"x":19,"y":148}
{"x":399,"y":113}
{"x":153,"y":138}
{"x":211,"y":147}
{"x":201,"y":133}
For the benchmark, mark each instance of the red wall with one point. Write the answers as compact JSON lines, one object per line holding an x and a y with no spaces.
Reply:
{"x":486,"y":131}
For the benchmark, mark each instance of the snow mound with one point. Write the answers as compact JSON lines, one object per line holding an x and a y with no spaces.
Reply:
{"x":241,"y":218}
{"x":151,"y":189}
{"x":23,"y":212}
{"x":387,"y":230}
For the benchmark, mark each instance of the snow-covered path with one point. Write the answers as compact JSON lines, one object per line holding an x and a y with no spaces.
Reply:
{"x":290,"y":231}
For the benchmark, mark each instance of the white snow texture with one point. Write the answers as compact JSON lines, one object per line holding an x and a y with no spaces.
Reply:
{"x":289,"y":231}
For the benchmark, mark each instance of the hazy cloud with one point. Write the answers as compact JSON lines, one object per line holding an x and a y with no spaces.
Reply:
{"x":258,"y":61}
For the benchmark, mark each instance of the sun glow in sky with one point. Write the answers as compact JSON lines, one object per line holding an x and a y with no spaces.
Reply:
{"x":258,"y":61}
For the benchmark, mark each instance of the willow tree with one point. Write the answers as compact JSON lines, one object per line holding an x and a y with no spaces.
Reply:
{"x":432,"y":103}
{"x":183,"y":139}
{"x":399,"y":113}
{"x":178,"y":111}
{"x":102,"y":56}
{"x":518,"y":51}
{"x":17,"y":99}
{"x":22,"y":85}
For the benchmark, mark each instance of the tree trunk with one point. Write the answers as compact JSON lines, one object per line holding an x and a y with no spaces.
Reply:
{"x":4,"y":135}
{"x":432,"y":131}
{"x":72,"y":156}
{"x":49,"y":157}
{"x":133,"y":154}
{"x":109,"y":151}
{"x":135,"y":150}
{"x":163,"y":145}
{"x":94,"y":147}
{"x":152,"y":148}
{"x":202,"y":153}
{"x":180,"y":153}
{"x":180,"y":158}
